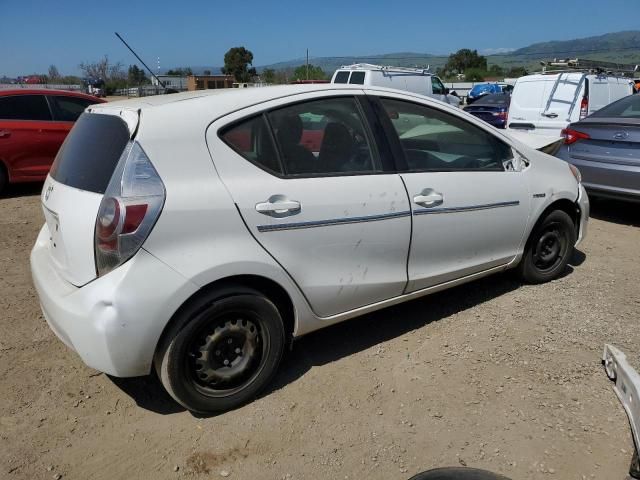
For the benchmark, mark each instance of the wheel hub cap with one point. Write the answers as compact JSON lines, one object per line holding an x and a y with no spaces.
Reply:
{"x":228,"y":353}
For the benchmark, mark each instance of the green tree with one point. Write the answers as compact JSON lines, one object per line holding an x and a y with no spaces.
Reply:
{"x":464,"y":59}
{"x":54,"y":74}
{"x":496,"y":70}
{"x":136,"y":76}
{"x":237,"y":62}
{"x":314,"y":73}
{"x":181,"y":72}
{"x":516,"y":72}
{"x":474,"y":75}
{"x":268,"y":75}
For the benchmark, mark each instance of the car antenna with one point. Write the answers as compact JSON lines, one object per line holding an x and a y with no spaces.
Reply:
{"x":161,"y":83}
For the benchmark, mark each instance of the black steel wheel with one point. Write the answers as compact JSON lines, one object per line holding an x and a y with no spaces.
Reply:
{"x":548,"y":249}
{"x":221,"y":353}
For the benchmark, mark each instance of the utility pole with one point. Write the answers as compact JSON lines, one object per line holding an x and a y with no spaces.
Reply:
{"x":307,"y":64}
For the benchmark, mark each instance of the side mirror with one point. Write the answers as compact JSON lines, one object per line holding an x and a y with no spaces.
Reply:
{"x":446,"y":91}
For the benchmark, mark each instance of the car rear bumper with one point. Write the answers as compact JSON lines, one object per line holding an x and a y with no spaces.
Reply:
{"x":583,"y":204}
{"x":605,"y":178}
{"x":114,"y":322}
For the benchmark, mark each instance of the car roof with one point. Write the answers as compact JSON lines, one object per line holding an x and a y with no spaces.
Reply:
{"x":46,"y":91}
{"x":197,"y":109}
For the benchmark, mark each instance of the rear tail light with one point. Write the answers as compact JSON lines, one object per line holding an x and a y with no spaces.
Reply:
{"x":572,"y":136}
{"x":129,"y":209}
{"x":501,"y":115}
{"x":584,"y":107}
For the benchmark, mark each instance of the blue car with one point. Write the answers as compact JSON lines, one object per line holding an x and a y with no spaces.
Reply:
{"x":492,"y":109}
{"x":482,"y":89}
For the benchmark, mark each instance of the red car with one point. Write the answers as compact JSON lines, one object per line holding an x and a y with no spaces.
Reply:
{"x":33,"y":125}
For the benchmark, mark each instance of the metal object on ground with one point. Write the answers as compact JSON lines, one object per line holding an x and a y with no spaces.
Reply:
{"x":628,"y":390}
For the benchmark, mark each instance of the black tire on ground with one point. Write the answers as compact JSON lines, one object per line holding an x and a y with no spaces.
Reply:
{"x":221,"y":352}
{"x":4,"y":178}
{"x":457,"y":473}
{"x":548,"y":248}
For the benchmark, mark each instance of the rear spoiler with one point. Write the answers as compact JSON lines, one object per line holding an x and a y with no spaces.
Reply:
{"x":131,"y":116}
{"x":545,"y":143}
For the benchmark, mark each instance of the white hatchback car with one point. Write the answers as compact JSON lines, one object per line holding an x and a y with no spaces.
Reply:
{"x":198,"y":233}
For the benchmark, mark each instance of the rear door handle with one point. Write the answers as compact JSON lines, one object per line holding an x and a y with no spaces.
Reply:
{"x":278,"y":206}
{"x":550,"y":115}
{"x":428,"y":198}
{"x":5,"y":133}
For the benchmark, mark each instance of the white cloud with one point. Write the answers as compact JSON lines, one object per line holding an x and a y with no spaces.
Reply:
{"x":493,"y":51}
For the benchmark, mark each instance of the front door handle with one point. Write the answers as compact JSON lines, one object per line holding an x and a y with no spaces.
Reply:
{"x":278,"y":205}
{"x":5,"y":133}
{"x":428,"y":198}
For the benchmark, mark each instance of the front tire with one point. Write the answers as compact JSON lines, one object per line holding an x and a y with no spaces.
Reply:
{"x":221,"y":352}
{"x":548,"y":249}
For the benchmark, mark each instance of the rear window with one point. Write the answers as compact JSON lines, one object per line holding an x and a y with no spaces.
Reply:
{"x":341,"y":77}
{"x":494,"y":99}
{"x":91,"y":151}
{"x":24,"y":107}
{"x":628,"y":107}
{"x":357,"y":78}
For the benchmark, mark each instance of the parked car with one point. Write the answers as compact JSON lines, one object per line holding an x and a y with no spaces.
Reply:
{"x":171,"y":243}
{"x":482,"y":89}
{"x":33,"y":125}
{"x":543,"y":104}
{"x":605,"y":146}
{"x":416,"y":80}
{"x":493,"y":109}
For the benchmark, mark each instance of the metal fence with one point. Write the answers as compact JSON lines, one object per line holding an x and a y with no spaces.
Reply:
{"x":26,"y":86}
{"x":145,"y":91}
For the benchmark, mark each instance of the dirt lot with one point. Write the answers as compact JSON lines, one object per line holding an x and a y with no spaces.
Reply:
{"x":492,"y":374}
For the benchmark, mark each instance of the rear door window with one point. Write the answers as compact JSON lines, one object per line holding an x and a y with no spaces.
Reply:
{"x":252,"y":140}
{"x":341,"y":77}
{"x":68,"y":109}
{"x":323,"y":137}
{"x":90,"y":152}
{"x":357,"y":78}
{"x":24,"y":107}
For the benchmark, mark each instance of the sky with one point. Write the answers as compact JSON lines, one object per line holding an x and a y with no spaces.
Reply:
{"x":36,"y":34}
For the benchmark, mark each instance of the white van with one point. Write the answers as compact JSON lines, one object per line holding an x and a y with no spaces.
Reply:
{"x":416,"y":80}
{"x":544,"y":104}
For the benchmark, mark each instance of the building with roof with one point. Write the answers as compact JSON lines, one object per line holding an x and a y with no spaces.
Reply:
{"x":207,"y":82}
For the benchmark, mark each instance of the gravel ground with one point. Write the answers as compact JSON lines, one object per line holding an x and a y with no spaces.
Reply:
{"x":492,"y":374}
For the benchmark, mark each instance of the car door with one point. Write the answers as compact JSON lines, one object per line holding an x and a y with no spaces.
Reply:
{"x":331,"y":212}
{"x":22,"y":120}
{"x":469,"y":208}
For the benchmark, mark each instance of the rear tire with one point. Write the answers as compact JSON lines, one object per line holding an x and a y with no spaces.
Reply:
{"x":221,"y":352}
{"x":4,"y":178}
{"x":548,"y":249}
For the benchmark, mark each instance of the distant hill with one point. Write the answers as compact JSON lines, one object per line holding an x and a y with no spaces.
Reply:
{"x":621,"y":47}
{"x":618,"y":41}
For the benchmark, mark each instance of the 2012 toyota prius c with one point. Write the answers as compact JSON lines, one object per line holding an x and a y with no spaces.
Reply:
{"x":198,"y":233}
